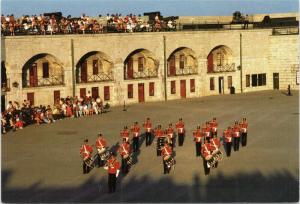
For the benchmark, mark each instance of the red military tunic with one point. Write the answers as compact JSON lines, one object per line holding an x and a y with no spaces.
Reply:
{"x":206,"y":131}
{"x":166,"y":151}
{"x":236,"y":131}
{"x":86,"y":151}
{"x":180,"y":127}
{"x":135,"y":130}
{"x":159,"y":133}
{"x":148,"y":126}
{"x":205,"y":150}
{"x":124,"y":149}
{"x":213,"y":126}
{"x":227,"y":134}
{"x":100,"y":143}
{"x":244,"y":127}
{"x":125,"y":134}
{"x":214,"y":144}
{"x":197,"y":135}
{"x":113,"y":166}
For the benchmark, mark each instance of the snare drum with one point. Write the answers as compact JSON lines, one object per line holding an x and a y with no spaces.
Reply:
{"x":102,"y":150}
{"x":125,"y":156}
{"x":208,"y":157}
{"x":170,"y":161}
{"x":88,"y":162}
{"x":129,"y":160}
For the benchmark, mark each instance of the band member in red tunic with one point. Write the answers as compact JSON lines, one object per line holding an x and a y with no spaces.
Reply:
{"x":214,"y":148}
{"x":159,"y":134}
{"x":236,"y":136}
{"x":227,"y":134}
{"x":167,"y":156}
{"x":135,"y":129}
{"x":125,"y":134}
{"x":206,"y":155}
{"x":148,"y":128}
{"x":214,"y":127}
{"x":124,"y":151}
{"x":86,"y":152}
{"x":244,"y":128}
{"x":170,"y":136}
{"x":113,"y":166}
{"x":180,"y":131}
{"x":101,"y":147}
{"x":197,"y":134}
{"x":206,"y":130}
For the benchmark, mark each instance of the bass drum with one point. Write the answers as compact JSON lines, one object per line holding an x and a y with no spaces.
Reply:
{"x":89,"y":162}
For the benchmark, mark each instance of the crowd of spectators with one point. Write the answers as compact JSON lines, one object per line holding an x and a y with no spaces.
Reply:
{"x":55,"y":24}
{"x":17,"y":116}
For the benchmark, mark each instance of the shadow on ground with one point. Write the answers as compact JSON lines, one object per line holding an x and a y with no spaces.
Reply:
{"x":255,"y":187}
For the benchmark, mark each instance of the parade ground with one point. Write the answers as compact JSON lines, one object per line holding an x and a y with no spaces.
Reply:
{"x":42,"y":163}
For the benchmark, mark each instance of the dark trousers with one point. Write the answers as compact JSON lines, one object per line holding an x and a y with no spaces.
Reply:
{"x":158,"y":152}
{"x":206,"y":169}
{"x":236,"y":143}
{"x":214,"y":134}
{"x":125,"y":167}
{"x":135,"y":144}
{"x":112,"y":180}
{"x":228,"y":148}
{"x":173,"y":142}
{"x":180,"y":139}
{"x":198,"y":149}
{"x":207,"y":139}
{"x":244,"y":139}
{"x":86,"y":168}
{"x":148,"y":139}
{"x":166,"y":169}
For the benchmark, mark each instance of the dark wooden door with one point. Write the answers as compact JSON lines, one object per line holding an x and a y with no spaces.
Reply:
{"x":95,"y":92}
{"x":130,"y":69}
{"x":172,"y":66}
{"x":82,"y":92}
{"x":210,"y":63}
{"x":33,"y":82}
{"x":84,"y":72}
{"x":141,"y":93}
{"x":221,"y":85}
{"x":56,"y":95}
{"x":30,"y":97}
{"x":182,"y":88}
{"x":276,"y":80}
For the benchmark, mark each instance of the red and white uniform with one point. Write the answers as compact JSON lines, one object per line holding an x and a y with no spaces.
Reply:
{"x":236,"y":131}
{"x":205,"y":150}
{"x":148,"y":126}
{"x":244,"y":127}
{"x":124,"y":149}
{"x":227,"y":134}
{"x":206,"y":131}
{"x":213,"y":126}
{"x":113,"y":165}
{"x":214,"y":144}
{"x":166,"y":151}
{"x":159,"y":133}
{"x":125,"y":135}
{"x":170,"y":132}
{"x":135,"y":130}
{"x":197,"y":135}
{"x":86,"y":151}
{"x":180,"y":127}
{"x":100,"y":143}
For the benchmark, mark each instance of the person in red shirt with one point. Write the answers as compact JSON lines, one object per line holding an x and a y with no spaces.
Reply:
{"x":170,"y":136}
{"x":159,"y":134}
{"x":100,"y":145}
{"x":180,"y":130}
{"x":113,"y":166}
{"x":148,"y":128}
{"x":227,"y":135}
{"x":236,"y":136}
{"x":214,"y":127}
{"x":197,"y":134}
{"x":207,"y":156}
{"x":207,"y":131}
{"x":86,"y":152}
{"x":124,"y":151}
{"x":166,"y":154}
{"x":135,"y":129}
{"x":244,"y":127}
{"x":125,"y":134}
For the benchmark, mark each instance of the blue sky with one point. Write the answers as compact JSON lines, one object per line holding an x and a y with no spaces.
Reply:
{"x":167,"y":7}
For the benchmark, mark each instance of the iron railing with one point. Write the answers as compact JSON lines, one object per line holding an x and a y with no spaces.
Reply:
{"x":187,"y":70}
{"x":52,"y":80}
{"x":223,"y":68}
{"x":100,"y":77}
{"x":146,"y":74}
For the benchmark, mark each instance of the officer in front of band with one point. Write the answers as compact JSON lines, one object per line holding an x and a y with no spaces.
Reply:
{"x":227,"y":136}
{"x":207,"y":131}
{"x":135,"y":129}
{"x":124,"y":151}
{"x":159,"y":134}
{"x":170,"y":136}
{"x":86,"y":152}
{"x":197,"y":138}
{"x":100,"y":145}
{"x":125,"y":134}
{"x":113,"y":166}
{"x":214,"y":127}
{"x":206,"y":155}
{"x":244,"y":127}
{"x":148,"y":127}
{"x":166,"y":153}
{"x":180,"y":131}
{"x":236,"y":136}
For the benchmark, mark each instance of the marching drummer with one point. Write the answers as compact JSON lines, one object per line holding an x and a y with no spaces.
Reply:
{"x":86,"y":152}
{"x":125,"y":134}
{"x":100,"y":146}
{"x":214,"y":148}
{"x":124,"y":151}
{"x":244,"y":127}
{"x":113,"y":166}
{"x":207,"y":157}
{"x":167,"y":156}
{"x":170,"y":136}
{"x":135,"y":129}
{"x":148,"y":128}
{"x":207,"y":131}
{"x":227,"y":134}
{"x":214,"y":127}
{"x":236,"y":136}
{"x":197,"y":134}
{"x":180,"y":131}
{"x":159,"y":134}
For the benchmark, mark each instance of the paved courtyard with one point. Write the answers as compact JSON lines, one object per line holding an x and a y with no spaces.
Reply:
{"x":42,"y":163}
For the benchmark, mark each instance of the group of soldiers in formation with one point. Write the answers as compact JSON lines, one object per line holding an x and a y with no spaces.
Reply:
{"x":206,"y":141}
